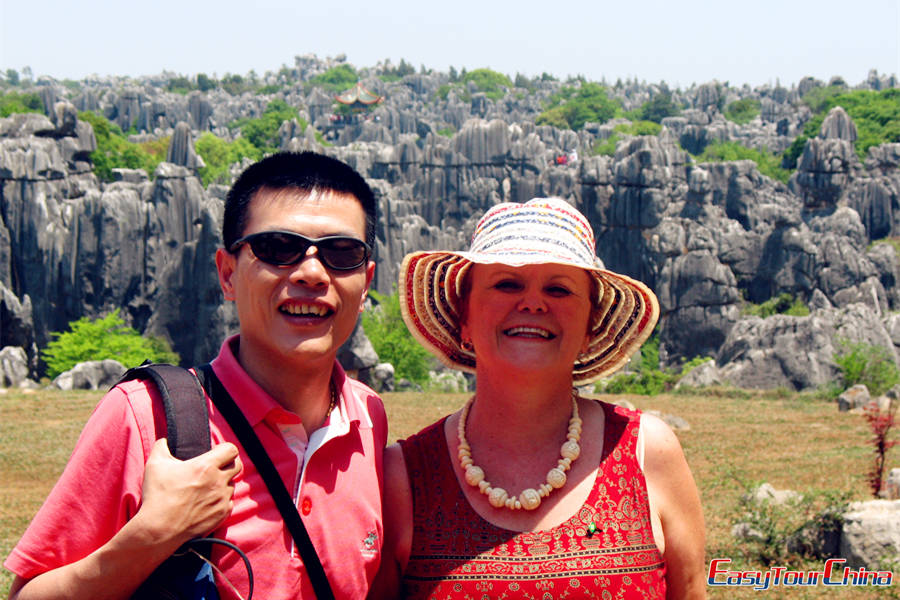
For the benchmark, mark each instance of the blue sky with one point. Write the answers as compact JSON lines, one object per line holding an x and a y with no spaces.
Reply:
{"x":678,"y":42}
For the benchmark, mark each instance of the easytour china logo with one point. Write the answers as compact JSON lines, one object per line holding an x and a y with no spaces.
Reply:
{"x":833,"y":573}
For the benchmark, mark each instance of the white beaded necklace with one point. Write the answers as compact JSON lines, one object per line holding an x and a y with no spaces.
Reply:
{"x":530,"y":498}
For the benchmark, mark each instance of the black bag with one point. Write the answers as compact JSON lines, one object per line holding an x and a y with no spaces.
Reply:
{"x":187,"y":574}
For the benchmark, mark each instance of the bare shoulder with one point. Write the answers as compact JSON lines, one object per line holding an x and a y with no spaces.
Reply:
{"x":661,"y":445}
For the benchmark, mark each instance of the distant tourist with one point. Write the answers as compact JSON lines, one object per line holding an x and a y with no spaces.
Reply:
{"x":298,"y":232}
{"x":531,"y":490}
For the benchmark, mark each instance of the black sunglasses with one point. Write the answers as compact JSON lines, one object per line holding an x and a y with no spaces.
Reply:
{"x":282,"y":248}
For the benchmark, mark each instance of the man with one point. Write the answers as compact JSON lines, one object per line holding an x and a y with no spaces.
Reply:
{"x":296,"y":266}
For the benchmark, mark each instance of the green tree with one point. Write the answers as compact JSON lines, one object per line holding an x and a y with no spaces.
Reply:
{"x":115,"y":151}
{"x":577,"y":106}
{"x":14,"y":102}
{"x":392,"y":340}
{"x":262,"y":132}
{"x":219,"y":155}
{"x":99,"y":339}
{"x":336,"y":79}
{"x":12,"y":77}
{"x":204,"y":83}
{"x":492,"y":83}
{"x":742,"y":111}
{"x":872,"y":366}
{"x":768,"y":163}
{"x":658,"y":108}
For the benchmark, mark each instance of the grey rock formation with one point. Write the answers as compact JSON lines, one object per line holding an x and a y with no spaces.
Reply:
{"x":870,"y":535}
{"x":855,"y":397}
{"x":14,"y":367}
{"x":181,"y":149}
{"x":91,"y":375}
{"x":706,"y":237}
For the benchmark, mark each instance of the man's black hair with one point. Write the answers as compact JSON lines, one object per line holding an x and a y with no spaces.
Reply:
{"x":305,"y":171}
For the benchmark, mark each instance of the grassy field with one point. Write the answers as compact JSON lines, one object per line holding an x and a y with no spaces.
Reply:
{"x":736,"y":439}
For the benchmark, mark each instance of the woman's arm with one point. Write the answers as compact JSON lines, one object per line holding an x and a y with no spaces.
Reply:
{"x":677,"y":502}
{"x":398,"y":527}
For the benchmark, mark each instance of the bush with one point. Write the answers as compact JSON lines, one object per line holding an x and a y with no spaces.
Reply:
{"x":742,"y":111}
{"x":219,"y":155}
{"x":114,"y":151}
{"x":658,"y":108}
{"x":492,"y":83}
{"x":783,"y":304}
{"x":571,"y":108}
{"x":262,"y":132}
{"x":872,"y":366}
{"x":875,"y":114}
{"x":336,"y":79}
{"x":14,"y":102}
{"x":392,"y":341}
{"x":804,"y":527}
{"x":768,"y":163}
{"x":99,"y":339}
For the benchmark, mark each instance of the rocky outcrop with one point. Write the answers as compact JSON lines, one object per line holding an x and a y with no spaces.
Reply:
{"x":706,"y":237}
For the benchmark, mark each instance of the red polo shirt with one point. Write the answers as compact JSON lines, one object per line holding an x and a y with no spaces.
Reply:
{"x":337,"y":487}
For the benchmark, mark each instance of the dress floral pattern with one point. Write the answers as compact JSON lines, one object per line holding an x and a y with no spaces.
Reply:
{"x":605,"y":550}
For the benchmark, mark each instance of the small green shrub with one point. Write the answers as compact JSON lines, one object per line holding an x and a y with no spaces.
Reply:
{"x":114,"y":151}
{"x":768,"y":163}
{"x":492,"y":83}
{"x":99,"y":339}
{"x":872,"y":366}
{"x":15,"y":102}
{"x":783,"y":304}
{"x":789,"y":532}
{"x":262,"y":132}
{"x":336,"y":79}
{"x":572,"y":107}
{"x":219,"y":155}
{"x":658,"y":108}
{"x":392,"y":341}
{"x":742,"y":111}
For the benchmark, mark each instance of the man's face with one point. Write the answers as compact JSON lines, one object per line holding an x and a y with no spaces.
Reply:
{"x":296,"y":315}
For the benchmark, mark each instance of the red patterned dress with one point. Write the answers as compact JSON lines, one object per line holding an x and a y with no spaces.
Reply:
{"x":456,"y":554}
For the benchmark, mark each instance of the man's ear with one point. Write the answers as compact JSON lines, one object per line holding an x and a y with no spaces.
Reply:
{"x":225,"y":266}
{"x":370,"y":274}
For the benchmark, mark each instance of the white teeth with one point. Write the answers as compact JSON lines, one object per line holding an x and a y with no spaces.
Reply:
{"x":528,"y":330}
{"x":305,"y":309}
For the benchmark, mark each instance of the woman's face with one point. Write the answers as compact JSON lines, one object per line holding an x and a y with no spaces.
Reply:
{"x":527,"y":318}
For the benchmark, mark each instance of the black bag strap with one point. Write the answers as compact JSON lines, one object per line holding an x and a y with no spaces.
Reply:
{"x":283,"y":500}
{"x":187,"y":420}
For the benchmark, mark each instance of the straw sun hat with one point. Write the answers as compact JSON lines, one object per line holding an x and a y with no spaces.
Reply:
{"x":543,"y":230}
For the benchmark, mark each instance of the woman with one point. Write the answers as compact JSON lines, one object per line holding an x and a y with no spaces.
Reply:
{"x":531,"y":491}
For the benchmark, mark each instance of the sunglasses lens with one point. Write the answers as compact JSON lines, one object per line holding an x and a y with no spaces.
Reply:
{"x":283,"y":248}
{"x":342,"y":253}
{"x":279,"y":248}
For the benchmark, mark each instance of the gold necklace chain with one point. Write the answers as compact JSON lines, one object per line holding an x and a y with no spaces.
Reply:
{"x":333,"y":402}
{"x":530,"y":498}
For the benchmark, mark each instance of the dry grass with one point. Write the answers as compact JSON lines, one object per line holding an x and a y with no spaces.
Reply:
{"x":736,"y":439}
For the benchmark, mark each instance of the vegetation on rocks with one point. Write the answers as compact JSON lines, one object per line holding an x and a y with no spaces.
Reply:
{"x":20,"y":102}
{"x":392,"y":340}
{"x":572,"y":107}
{"x":492,"y":83}
{"x":114,"y":150}
{"x":875,"y":114}
{"x":99,"y":339}
{"x":872,"y":366}
{"x":782,"y":304}
{"x":742,"y":111}
{"x":769,"y":163}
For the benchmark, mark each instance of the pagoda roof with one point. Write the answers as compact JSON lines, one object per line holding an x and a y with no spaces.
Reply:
{"x":358,"y":95}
